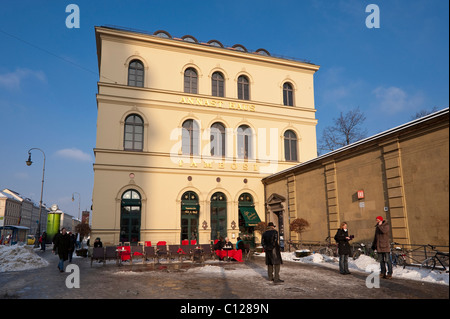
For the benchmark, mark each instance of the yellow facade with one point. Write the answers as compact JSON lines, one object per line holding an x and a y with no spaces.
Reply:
{"x":161,"y":169}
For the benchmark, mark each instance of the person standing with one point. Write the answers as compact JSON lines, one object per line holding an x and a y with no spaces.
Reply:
{"x":62,"y":245}
{"x":344,"y":250}
{"x":270,"y":243}
{"x":382,"y":246}
{"x":43,"y":240}
{"x":71,"y":246}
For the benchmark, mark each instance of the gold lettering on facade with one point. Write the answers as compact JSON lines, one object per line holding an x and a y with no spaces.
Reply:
{"x":217,"y":103}
{"x":221,"y":165}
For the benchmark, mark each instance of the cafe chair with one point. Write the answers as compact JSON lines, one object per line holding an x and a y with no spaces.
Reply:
{"x":136,"y":252}
{"x":149,"y":252}
{"x":98,"y":253}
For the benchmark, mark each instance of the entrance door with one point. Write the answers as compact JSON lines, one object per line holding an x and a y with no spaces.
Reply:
{"x":189,"y":216}
{"x":218,"y":216}
{"x":130,"y":217}
{"x":189,"y":227}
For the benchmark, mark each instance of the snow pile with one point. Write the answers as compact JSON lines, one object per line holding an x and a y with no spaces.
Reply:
{"x":369,"y":265}
{"x":17,"y":258}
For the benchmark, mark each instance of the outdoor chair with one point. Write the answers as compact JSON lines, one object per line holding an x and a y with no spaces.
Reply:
{"x":207,"y":252}
{"x":111,"y":253}
{"x":161,"y":251}
{"x":149,"y":252}
{"x":188,"y":251}
{"x":98,"y":253}
{"x":174,"y":252}
{"x":136,"y":253}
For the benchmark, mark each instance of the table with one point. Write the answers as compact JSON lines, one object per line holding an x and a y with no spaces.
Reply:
{"x":124,"y":252}
{"x":231,"y":253}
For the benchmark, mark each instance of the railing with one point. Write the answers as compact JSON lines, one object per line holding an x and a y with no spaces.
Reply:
{"x":415,"y":253}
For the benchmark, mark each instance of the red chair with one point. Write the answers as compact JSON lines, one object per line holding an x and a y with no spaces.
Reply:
{"x":185,"y":242}
{"x":147,"y":244}
{"x":193,"y":242}
{"x":161,"y":243}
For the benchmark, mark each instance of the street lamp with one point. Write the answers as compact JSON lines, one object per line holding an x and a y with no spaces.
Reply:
{"x":79,"y":201}
{"x":29,"y":162}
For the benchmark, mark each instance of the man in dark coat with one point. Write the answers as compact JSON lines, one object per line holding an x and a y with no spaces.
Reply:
{"x":62,"y":246}
{"x":381,"y":244}
{"x":271,"y":247}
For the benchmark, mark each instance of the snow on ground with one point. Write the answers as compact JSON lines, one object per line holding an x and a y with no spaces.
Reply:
{"x":367,"y":264}
{"x":17,"y":258}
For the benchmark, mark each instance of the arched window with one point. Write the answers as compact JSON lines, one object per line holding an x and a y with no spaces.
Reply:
{"x":190,"y":138}
{"x":136,"y":73}
{"x":218,"y":215}
{"x":190,"y":81}
{"x":243,"y":88}
{"x":189,"y":216}
{"x":218,"y":84}
{"x":288,"y":94}
{"x":134,"y":133}
{"x":290,"y":146}
{"x":130,"y":217}
{"x":244,"y":142}
{"x":217,"y":139}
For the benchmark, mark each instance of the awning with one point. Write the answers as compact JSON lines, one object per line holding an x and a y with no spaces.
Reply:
{"x":250,"y":215}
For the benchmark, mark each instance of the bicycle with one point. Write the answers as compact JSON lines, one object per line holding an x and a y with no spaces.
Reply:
{"x":439,"y":257}
{"x":398,"y":256}
{"x":329,"y":249}
{"x":363,"y":250}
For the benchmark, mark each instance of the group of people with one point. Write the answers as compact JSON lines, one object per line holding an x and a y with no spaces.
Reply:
{"x":226,"y":244}
{"x":381,"y":244}
{"x":64,"y":244}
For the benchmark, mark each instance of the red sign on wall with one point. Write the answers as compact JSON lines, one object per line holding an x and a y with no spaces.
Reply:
{"x":360,"y":194}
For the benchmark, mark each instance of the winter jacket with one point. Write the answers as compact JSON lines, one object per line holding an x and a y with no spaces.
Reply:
{"x":343,"y":244}
{"x":381,"y":241}
{"x":62,"y":246}
{"x":271,"y":247}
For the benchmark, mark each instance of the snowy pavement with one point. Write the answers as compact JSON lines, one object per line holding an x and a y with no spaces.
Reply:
{"x":311,"y":277}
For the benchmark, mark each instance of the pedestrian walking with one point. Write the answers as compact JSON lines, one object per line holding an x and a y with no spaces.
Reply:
{"x":61,"y":247}
{"x":43,"y":240}
{"x":342,"y":238}
{"x":71,"y":246}
{"x":382,"y":246}
{"x":271,"y":245}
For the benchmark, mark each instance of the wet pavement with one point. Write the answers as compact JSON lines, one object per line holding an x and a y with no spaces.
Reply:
{"x":197,"y":281}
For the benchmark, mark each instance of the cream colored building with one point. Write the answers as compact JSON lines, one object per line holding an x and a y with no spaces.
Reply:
{"x":186,"y":130}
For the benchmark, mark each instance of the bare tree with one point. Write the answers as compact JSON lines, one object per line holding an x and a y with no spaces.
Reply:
{"x":346,"y":130}
{"x":299,"y":225}
{"x":423,"y":113}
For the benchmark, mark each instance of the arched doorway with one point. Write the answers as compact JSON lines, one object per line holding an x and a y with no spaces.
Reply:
{"x":130,"y":217}
{"x":218,"y":215}
{"x":189,"y":216}
{"x":248,"y":219}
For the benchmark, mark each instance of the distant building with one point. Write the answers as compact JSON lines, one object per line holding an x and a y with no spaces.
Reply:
{"x":29,"y":212}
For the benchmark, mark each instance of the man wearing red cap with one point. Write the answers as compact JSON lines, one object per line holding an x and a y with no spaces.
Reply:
{"x":382,"y":246}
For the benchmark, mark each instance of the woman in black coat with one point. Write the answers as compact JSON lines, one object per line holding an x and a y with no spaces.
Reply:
{"x":344,"y":250}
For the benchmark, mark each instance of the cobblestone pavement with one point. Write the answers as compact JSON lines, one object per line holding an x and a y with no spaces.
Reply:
{"x":211,"y":280}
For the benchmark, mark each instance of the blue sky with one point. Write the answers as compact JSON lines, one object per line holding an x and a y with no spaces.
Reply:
{"x":48,"y":72}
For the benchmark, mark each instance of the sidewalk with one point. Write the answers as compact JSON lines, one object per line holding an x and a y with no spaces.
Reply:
{"x":212,"y":280}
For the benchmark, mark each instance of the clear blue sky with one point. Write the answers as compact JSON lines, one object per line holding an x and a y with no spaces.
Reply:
{"x":48,"y":73}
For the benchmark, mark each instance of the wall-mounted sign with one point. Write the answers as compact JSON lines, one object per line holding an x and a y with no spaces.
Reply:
{"x":360,"y":194}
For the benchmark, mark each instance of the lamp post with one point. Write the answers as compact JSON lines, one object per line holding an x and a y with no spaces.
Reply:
{"x":29,"y":162}
{"x":79,"y":201}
